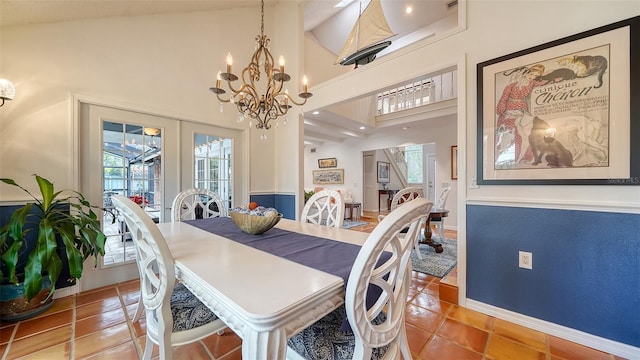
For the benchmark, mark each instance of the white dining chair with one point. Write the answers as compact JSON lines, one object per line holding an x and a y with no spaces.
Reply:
{"x":378,"y":332}
{"x":191,"y":204}
{"x":401,"y":197}
{"x":325,"y":207}
{"x":441,"y":203}
{"x":174,"y":315}
{"x":197,"y":203}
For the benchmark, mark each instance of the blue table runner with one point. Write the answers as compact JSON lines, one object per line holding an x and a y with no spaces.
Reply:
{"x":330,"y":256}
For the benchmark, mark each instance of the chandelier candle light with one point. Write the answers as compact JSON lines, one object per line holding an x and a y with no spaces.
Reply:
{"x":271,"y":104}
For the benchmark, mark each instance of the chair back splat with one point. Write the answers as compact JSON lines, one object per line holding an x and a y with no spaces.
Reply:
{"x":378,"y":327}
{"x":325,"y":207}
{"x":197,"y":203}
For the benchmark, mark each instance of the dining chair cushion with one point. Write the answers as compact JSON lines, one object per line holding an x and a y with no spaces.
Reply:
{"x":326,"y":340}
{"x":187,"y":310}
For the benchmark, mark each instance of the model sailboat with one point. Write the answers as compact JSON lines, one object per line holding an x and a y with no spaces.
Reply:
{"x":367,"y":38}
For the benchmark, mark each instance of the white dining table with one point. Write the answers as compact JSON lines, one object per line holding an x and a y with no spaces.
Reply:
{"x":263,"y":298}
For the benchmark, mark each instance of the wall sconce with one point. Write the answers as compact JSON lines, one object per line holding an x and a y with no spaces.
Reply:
{"x":7,"y":91}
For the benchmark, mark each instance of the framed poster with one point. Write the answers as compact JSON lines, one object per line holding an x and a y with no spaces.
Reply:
{"x":384,"y":175}
{"x":454,"y":162}
{"x":327,"y":163}
{"x":333,"y":176}
{"x":560,"y":113}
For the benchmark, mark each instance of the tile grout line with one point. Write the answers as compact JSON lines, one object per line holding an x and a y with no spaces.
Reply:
{"x":72,"y":341}
{"x":132,"y":332}
{"x":10,"y":342}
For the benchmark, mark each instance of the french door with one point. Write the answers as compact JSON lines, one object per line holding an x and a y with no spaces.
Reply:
{"x":150,"y":159}
{"x":130,"y":154}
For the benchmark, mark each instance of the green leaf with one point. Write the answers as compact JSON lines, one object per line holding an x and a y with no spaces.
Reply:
{"x":32,"y":275}
{"x":46,"y":189}
{"x":73,"y":255}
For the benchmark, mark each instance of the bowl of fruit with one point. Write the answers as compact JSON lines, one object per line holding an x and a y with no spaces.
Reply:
{"x":255,"y":219}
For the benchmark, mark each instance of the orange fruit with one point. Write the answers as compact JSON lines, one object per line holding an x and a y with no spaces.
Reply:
{"x":253,"y":205}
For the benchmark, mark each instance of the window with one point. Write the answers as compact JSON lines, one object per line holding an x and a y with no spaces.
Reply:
{"x":415,"y":164}
{"x":213,"y":165}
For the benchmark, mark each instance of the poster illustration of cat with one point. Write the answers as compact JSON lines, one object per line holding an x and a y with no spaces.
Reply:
{"x":554,"y":113}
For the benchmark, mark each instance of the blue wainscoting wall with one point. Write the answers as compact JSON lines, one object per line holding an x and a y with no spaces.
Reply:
{"x":286,"y":204}
{"x":586,"y":267}
{"x":30,"y":242}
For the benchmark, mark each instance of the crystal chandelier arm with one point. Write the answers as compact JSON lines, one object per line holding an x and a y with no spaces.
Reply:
{"x":304,"y":101}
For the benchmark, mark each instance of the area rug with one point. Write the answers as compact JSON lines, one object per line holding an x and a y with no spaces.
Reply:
{"x":347,"y":224}
{"x":433,"y":263}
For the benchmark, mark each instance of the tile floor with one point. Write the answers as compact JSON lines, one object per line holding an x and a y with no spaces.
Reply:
{"x":97,"y":325}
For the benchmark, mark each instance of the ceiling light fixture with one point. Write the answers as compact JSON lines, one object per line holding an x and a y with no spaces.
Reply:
{"x":274,"y":101}
{"x":7,"y":91}
{"x":409,"y":9}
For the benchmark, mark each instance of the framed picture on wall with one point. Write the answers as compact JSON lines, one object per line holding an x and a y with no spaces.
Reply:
{"x":333,"y":176}
{"x":384,"y":175}
{"x":561,"y":113}
{"x":327,"y":163}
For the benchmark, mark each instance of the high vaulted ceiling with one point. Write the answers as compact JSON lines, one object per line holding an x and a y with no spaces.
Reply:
{"x":324,"y":22}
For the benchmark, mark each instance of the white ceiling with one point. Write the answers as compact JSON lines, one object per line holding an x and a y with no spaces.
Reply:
{"x":326,"y":24}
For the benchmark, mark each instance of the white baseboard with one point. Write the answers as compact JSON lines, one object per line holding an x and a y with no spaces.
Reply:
{"x":586,"y":339}
{"x":67,"y":291}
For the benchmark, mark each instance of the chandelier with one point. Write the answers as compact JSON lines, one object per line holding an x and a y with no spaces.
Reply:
{"x":273,"y":102}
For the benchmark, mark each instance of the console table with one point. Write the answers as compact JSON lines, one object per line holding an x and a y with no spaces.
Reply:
{"x":386,"y":192}
{"x":428,"y":240}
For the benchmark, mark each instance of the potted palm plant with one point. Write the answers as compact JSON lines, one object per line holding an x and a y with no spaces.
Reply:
{"x":57,"y":218}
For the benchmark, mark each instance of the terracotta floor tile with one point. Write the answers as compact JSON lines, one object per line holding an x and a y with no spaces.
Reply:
{"x":5,"y":332}
{"x":219,"y":345}
{"x":58,"y":352}
{"x":61,"y":304}
{"x":422,"y":318}
{"x":105,"y":320}
{"x":131,"y":311}
{"x":122,"y":352}
{"x":129,"y":286}
{"x":98,"y":306}
{"x":470,"y":317}
{"x":45,"y":323}
{"x":190,"y":351}
{"x":521,"y":334}
{"x":37,"y":342}
{"x":417,"y":338}
{"x":101,"y":340}
{"x":95,"y":295}
{"x":570,"y":350}
{"x":140,"y":327}
{"x":420,"y":280}
{"x":503,"y":348}
{"x":235,"y":355}
{"x":464,"y":335}
{"x":430,"y":302}
{"x":131,"y":297}
{"x":443,"y":349}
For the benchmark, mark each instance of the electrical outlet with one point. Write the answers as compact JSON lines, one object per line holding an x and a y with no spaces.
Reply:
{"x":525,"y":260}
{"x":474,"y":183}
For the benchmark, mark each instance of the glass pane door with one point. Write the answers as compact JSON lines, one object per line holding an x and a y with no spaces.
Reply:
{"x":212,"y":158}
{"x":132,"y":166}
{"x":213,"y":166}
